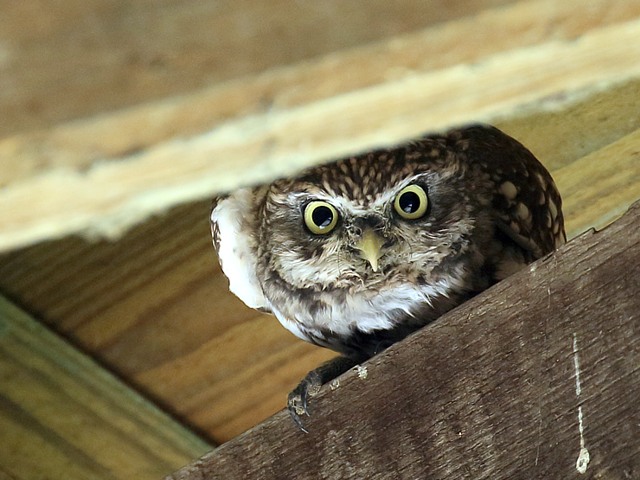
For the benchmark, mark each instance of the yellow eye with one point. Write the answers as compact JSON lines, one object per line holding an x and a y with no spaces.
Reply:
{"x":320,"y":217}
{"x":411,"y":203}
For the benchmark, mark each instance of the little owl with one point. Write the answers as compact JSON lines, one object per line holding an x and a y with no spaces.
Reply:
{"x":356,"y":254}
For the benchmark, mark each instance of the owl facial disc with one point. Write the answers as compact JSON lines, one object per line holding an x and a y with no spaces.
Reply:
{"x":370,"y":246}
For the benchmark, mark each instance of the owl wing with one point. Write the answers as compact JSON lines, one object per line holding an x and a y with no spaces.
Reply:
{"x":526,"y":202}
{"x":235,"y":240}
{"x":523,"y":199}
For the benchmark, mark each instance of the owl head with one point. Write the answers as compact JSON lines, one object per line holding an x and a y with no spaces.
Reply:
{"x":371,"y":221}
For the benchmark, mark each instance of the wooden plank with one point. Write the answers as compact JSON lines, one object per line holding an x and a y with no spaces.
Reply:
{"x":108,"y":173}
{"x":111,"y":54}
{"x":155,"y":307}
{"x":538,"y":377}
{"x":63,"y":416}
{"x":600,"y":186}
{"x":560,"y":136}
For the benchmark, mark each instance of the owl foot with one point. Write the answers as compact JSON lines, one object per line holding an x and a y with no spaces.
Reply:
{"x":309,"y":387}
{"x":298,"y":402}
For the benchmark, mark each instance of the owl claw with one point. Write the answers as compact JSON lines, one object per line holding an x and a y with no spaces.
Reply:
{"x":298,"y":402}
{"x":296,"y":419}
{"x":309,"y":387}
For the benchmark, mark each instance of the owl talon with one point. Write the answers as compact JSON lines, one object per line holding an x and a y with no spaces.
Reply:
{"x":298,"y":402}
{"x":309,"y":387}
{"x":298,"y":421}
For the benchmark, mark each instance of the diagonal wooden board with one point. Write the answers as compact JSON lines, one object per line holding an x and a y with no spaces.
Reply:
{"x":538,"y":377}
{"x":63,"y":416}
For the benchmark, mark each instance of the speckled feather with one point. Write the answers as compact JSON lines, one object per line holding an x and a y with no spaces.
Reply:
{"x":492,"y":209}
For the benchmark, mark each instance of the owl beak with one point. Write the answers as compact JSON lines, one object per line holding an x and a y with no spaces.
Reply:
{"x":370,"y":246}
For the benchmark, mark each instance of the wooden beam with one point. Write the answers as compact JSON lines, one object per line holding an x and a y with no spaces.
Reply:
{"x":63,"y":416}
{"x":107,"y":173}
{"x":67,"y":60}
{"x":538,"y":377}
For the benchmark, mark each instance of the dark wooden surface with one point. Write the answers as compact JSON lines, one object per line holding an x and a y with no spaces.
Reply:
{"x":516,"y":384}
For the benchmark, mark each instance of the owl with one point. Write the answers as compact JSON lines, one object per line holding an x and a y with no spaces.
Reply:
{"x":357,"y":254}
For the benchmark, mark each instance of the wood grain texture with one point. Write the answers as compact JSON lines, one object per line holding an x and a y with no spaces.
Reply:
{"x":73,"y":59}
{"x":155,"y":308}
{"x":600,"y":186}
{"x":536,"y":378}
{"x":62,"y":416}
{"x":104,"y":174}
{"x":560,"y":136}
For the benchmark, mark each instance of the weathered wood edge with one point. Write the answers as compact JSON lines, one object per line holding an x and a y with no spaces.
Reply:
{"x":538,"y":377}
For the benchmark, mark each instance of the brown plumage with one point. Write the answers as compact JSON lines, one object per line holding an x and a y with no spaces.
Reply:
{"x":356,"y":254}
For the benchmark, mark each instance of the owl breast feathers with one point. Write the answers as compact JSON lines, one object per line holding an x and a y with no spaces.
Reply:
{"x":356,"y":254}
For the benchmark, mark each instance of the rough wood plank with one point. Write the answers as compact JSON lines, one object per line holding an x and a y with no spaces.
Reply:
{"x":62,"y":416}
{"x":537,"y":377}
{"x":156,"y":309}
{"x":107,"y":174}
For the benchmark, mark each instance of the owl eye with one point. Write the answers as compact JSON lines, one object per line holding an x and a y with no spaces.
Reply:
{"x":320,"y":217}
{"x":412,"y":202}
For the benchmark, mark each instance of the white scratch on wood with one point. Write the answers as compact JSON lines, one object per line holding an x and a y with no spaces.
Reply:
{"x":583,"y":456}
{"x":539,"y":435}
{"x":576,"y":364}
